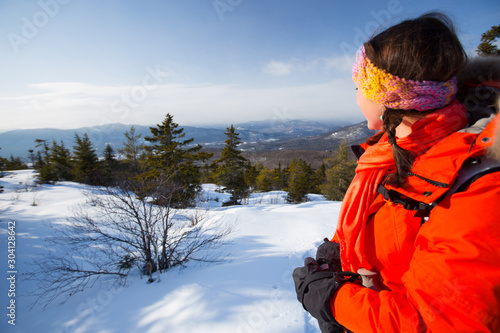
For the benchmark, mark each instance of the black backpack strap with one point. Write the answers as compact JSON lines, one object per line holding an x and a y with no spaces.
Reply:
{"x":472,"y":169}
{"x":357,"y":150}
{"x":407,"y":203}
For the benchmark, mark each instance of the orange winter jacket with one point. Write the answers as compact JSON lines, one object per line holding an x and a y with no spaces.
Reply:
{"x":439,"y":276}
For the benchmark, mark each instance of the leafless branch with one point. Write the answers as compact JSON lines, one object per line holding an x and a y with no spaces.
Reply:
{"x":116,"y":229}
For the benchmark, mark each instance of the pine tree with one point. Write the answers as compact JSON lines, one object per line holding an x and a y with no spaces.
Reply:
{"x":86,"y":161}
{"x":109,"y":165}
{"x":60,"y":160}
{"x":43,"y":166}
{"x":265,"y":180}
{"x":339,"y":175}
{"x":174,"y":166}
{"x":232,"y":168}
{"x":132,"y":150}
{"x":251,"y":174}
{"x":487,"y":47}
{"x":280,"y":177}
{"x":299,"y":181}
{"x":15,"y":163}
{"x":270,"y":179}
{"x":32,"y":157}
{"x":319,"y":178}
{"x":3,"y":163}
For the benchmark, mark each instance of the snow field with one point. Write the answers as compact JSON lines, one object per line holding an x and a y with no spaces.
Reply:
{"x":251,"y":291}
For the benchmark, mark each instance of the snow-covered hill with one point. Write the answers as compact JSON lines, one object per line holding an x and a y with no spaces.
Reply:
{"x":251,"y":292}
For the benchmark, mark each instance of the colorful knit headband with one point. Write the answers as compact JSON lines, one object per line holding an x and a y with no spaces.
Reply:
{"x":399,"y":93}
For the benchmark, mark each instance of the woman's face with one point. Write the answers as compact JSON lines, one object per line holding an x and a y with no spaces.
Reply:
{"x":371,"y":110}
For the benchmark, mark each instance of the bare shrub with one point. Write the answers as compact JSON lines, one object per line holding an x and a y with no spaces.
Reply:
{"x":114,"y":231}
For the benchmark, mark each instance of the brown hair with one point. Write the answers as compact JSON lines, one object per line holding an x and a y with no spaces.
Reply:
{"x":422,"y":49}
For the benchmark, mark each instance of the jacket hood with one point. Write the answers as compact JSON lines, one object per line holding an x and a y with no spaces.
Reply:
{"x":479,"y":91}
{"x":495,"y":147}
{"x":479,"y":70}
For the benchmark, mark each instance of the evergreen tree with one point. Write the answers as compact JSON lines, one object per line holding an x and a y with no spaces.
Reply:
{"x":319,"y":178}
{"x":299,"y":181}
{"x":15,"y":163}
{"x":32,"y":157}
{"x":232,"y":168}
{"x":172,"y":165}
{"x":487,"y":47}
{"x":60,"y":161}
{"x":109,"y":165}
{"x":86,"y":161}
{"x":3,"y":163}
{"x":270,"y":179}
{"x":43,"y":166}
{"x":132,"y":150}
{"x":280,"y":177}
{"x":265,"y":180}
{"x":340,"y":174}
{"x":251,"y":174}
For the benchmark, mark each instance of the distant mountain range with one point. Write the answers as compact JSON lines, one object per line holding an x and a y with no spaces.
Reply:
{"x":327,"y":141}
{"x":256,"y":136}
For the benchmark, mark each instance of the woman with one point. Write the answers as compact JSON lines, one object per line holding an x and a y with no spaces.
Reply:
{"x":430,"y":260}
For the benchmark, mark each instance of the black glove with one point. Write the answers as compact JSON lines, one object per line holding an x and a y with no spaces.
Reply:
{"x":330,"y":327}
{"x":328,"y":256}
{"x":316,"y":285}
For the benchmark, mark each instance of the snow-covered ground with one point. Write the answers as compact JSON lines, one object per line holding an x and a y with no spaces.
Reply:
{"x":252,"y":292}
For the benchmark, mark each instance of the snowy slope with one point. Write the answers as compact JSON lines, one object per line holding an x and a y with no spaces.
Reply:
{"x":252,"y":292}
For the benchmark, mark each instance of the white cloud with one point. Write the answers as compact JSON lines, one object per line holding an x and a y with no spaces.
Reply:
{"x":341,"y":64}
{"x":277,"y":68}
{"x":74,"y":104}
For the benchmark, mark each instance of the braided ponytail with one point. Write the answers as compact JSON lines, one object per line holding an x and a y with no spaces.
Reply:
{"x":403,"y":159}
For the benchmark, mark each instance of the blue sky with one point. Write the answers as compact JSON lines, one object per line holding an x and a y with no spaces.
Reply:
{"x":75,"y":63}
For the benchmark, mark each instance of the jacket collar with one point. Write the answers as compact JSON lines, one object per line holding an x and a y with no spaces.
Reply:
{"x":434,"y":172}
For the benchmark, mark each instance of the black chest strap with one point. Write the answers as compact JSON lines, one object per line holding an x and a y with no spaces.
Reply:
{"x":471,"y":170}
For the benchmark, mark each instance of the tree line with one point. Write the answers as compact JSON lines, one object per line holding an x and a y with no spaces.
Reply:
{"x":12,"y":163}
{"x":168,"y":159}
{"x":132,"y":218}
